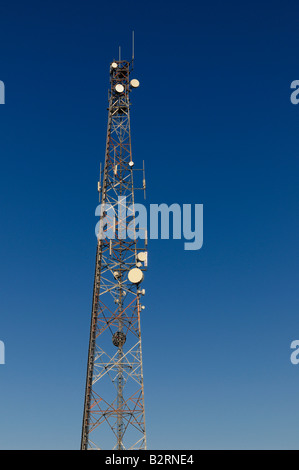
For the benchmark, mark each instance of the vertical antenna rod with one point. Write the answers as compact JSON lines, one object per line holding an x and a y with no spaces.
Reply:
{"x":133,"y":46}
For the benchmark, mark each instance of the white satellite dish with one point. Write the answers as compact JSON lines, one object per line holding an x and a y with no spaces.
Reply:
{"x":142,"y":256}
{"x":119,"y":88}
{"x":134,"y":83}
{"x":135,"y":275}
{"x":114,"y":65}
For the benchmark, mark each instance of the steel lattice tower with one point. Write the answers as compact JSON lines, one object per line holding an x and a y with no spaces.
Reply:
{"x":114,"y":395}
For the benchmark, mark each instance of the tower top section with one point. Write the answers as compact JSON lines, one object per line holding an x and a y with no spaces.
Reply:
{"x":120,"y":83}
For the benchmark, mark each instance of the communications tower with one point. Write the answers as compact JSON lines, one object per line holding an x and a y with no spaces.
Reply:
{"x":113,"y":415}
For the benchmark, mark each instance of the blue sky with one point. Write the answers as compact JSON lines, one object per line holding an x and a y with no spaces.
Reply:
{"x":214,"y":123}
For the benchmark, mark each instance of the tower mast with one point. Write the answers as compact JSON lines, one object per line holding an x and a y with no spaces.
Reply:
{"x":114,"y":395}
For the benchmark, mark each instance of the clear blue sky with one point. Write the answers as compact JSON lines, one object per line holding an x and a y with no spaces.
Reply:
{"x":214,"y":123}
